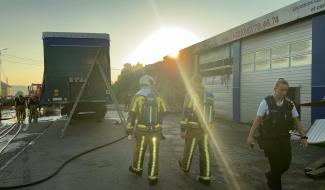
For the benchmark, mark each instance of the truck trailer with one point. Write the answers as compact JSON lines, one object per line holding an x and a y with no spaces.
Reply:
{"x":68,"y":58}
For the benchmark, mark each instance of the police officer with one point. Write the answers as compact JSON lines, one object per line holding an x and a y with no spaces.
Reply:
{"x":148,"y":108}
{"x":194,"y":129}
{"x":276,"y":116}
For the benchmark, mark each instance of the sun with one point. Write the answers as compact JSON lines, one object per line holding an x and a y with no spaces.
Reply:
{"x":166,"y":41}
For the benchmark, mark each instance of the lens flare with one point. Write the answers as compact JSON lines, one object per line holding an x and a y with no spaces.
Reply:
{"x":229,"y":177}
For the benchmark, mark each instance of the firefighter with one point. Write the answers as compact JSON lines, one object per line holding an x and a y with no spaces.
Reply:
{"x":20,"y":104}
{"x":1,"y":104}
{"x":33,"y":106}
{"x":276,"y":116}
{"x":148,"y":108}
{"x":128,"y":99}
{"x":198,"y":114}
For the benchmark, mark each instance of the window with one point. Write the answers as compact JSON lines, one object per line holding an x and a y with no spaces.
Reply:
{"x":262,"y":55}
{"x":282,"y":56}
{"x":301,"y":47}
{"x":247,"y":58}
{"x":301,"y":53}
{"x":280,"y":51}
{"x":262,"y":60}
{"x":247,"y":67}
{"x":262,"y":65}
{"x":247,"y":61}
{"x":208,"y":80}
{"x":204,"y":80}
{"x":301,"y":60}
{"x":280,"y":63}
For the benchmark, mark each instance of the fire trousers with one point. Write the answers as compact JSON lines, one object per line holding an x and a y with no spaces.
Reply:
{"x":197,"y":137}
{"x":145,"y":139}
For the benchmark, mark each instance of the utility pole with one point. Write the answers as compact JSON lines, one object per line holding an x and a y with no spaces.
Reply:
{"x":0,"y":71}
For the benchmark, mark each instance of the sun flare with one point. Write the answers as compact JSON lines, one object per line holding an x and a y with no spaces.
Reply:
{"x":166,"y":41}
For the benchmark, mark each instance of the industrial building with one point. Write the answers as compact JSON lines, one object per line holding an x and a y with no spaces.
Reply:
{"x":241,"y":65}
{"x":6,"y":89}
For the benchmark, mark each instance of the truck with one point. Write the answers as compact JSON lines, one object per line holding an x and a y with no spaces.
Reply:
{"x":34,"y":90}
{"x":68,"y":58}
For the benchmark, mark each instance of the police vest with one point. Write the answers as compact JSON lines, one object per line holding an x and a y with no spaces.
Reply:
{"x":278,"y":120}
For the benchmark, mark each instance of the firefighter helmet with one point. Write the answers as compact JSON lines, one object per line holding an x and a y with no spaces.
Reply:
{"x":146,"y":80}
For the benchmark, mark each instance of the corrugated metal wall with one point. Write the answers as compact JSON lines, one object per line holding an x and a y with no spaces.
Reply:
{"x":222,"y":94}
{"x":220,"y":85}
{"x":257,"y":85}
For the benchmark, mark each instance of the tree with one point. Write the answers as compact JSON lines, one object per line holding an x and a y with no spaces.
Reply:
{"x":19,"y":93}
{"x":127,"y":81}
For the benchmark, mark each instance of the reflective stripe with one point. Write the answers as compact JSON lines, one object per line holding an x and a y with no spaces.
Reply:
{"x":153,"y":177}
{"x":150,"y":115}
{"x":161,"y":105}
{"x":154,"y":156}
{"x":140,"y":107}
{"x":134,"y":104}
{"x":205,"y":177}
{"x":207,"y":155}
{"x":138,"y":170}
{"x":193,"y":123}
{"x":129,"y":126}
{"x":210,"y":117}
{"x":191,"y":154}
{"x":141,"y":152}
{"x":144,"y":127}
{"x":157,"y":111}
{"x":204,"y":112}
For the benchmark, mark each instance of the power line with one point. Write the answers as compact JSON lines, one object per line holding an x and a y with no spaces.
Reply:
{"x":33,"y":60}
{"x":23,"y":63}
{"x":25,"y":58}
{"x":31,"y":64}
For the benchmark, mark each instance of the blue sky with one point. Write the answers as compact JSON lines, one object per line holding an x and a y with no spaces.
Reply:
{"x":129,"y":22}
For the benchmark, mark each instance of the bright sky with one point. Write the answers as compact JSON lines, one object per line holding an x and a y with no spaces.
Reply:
{"x":139,"y":29}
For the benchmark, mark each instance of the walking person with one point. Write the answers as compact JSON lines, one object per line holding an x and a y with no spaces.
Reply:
{"x":194,"y":129}
{"x":148,"y":109}
{"x":276,"y":116}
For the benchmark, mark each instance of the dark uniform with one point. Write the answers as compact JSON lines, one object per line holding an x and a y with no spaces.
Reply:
{"x":33,"y":105}
{"x":275,"y":139}
{"x":1,"y":104}
{"x":20,"y":104}
{"x":148,"y":109}
{"x":196,"y":132}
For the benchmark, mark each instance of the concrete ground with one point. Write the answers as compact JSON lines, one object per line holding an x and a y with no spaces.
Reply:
{"x":234,"y":165}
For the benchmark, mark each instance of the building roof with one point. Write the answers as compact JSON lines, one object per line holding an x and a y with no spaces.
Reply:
{"x":75,"y":35}
{"x":285,"y":15}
